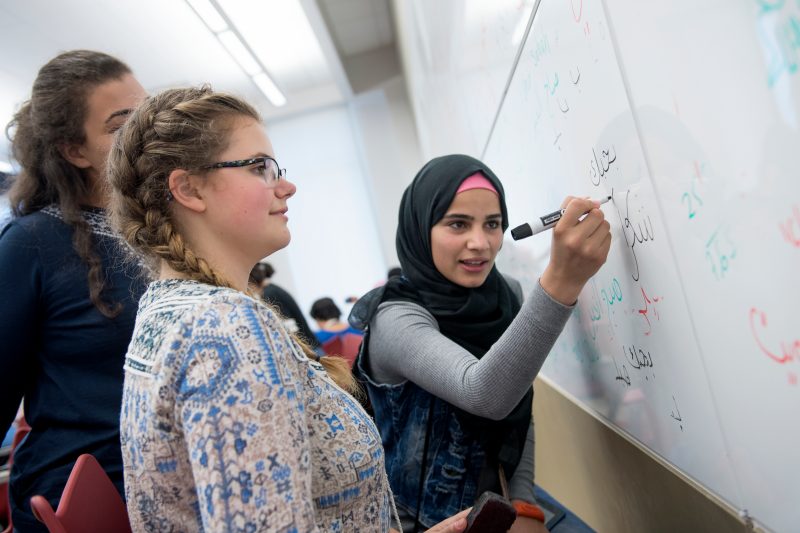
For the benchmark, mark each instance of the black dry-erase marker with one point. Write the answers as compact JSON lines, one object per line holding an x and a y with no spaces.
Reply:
{"x":543,"y":223}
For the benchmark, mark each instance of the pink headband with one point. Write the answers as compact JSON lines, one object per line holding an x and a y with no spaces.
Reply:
{"x":476,"y":181}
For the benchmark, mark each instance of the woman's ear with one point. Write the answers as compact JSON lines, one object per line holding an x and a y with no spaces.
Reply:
{"x":73,"y":153}
{"x":184,"y":189}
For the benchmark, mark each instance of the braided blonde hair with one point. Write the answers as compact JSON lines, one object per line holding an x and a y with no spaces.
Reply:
{"x":177,"y":129}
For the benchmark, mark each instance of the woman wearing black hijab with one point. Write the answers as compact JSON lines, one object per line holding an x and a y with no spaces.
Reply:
{"x":451,"y":349}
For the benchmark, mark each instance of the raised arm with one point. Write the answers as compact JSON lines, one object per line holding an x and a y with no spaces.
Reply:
{"x":405,"y":344}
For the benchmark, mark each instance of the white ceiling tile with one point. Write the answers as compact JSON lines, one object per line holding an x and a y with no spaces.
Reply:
{"x":357,"y":36}
{"x":345,"y":10}
{"x":380,"y":8}
{"x":385,"y":32}
{"x":359,"y":26}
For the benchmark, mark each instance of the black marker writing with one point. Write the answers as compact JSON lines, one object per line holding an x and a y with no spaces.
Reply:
{"x":676,"y":417}
{"x":600,"y":164}
{"x":641,"y":236}
{"x":622,"y":376}
{"x":638,"y":357}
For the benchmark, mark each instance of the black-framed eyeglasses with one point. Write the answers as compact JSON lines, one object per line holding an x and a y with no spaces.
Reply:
{"x":272,"y":173}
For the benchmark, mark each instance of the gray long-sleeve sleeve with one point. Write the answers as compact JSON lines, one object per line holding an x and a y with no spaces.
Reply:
{"x":405,"y":344}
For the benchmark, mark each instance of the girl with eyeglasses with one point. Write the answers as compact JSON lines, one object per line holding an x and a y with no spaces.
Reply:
{"x":229,"y":422}
{"x":451,"y":348}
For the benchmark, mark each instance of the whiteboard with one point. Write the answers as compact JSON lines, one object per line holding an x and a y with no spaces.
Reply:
{"x":688,"y":339}
{"x":722,"y":141}
{"x":456,"y":78}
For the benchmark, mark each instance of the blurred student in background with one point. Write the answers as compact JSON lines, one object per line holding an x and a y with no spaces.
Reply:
{"x":69,"y":303}
{"x":281,"y":300}
{"x":328,"y":317}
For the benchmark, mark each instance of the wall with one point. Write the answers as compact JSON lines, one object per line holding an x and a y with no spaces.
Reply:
{"x":391,"y":151}
{"x":610,"y":482}
{"x":335,"y":249}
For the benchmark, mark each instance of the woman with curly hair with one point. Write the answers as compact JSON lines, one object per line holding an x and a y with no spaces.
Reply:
{"x":68,"y":303}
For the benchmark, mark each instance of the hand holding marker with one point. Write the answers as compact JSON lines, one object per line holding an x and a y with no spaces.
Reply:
{"x":544,"y":223}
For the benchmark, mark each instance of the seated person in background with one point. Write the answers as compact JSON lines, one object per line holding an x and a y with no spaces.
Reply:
{"x":68,"y":302}
{"x":276,"y":296}
{"x":328,"y":317}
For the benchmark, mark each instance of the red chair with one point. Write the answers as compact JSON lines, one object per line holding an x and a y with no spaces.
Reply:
{"x":345,"y":346}
{"x":351,"y":344}
{"x":5,"y":507}
{"x":22,"y":431}
{"x":5,"y":497}
{"x":332,"y":346}
{"x":90,"y":503}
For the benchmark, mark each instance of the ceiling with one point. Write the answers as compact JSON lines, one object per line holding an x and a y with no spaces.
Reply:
{"x":358,"y":26}
{"x":167,"y":45}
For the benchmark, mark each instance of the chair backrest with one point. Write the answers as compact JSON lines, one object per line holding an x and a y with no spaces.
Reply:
{"x":351,"y":342}
{"x":90,"y":503}
{"x":5,"y":505}
{"x":23,"y":428}
{"x":345,"y":346}
{"x":332,"y":346}
{"x":5,"y":494}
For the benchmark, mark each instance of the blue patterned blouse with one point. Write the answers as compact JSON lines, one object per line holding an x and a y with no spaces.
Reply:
{"x":227,"y":426}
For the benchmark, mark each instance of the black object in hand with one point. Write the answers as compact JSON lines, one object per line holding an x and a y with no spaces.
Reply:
{"x":491,"y":514}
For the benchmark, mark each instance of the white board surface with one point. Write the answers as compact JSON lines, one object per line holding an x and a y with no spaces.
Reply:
{"x":688,"y":112}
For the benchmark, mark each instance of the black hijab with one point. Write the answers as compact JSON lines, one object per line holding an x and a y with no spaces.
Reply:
{"x":474,"y":318}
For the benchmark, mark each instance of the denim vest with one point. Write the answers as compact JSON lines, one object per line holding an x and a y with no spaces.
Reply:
{"x":454,"y":459}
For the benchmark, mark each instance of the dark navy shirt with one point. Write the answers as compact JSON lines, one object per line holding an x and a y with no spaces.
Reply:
{"x":59,"y":353}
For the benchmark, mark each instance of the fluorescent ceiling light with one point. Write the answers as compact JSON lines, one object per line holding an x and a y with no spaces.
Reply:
{"x":206,"y":11}
{"x":281,"y":36}
{"x":269,"y":89}
{"x":236,"y":45}
{"x":239,"y":52}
